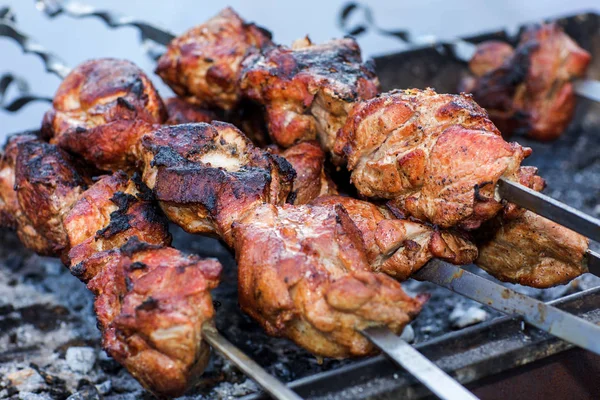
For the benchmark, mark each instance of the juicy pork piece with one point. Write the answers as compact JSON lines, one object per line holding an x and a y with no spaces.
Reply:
{"x":399,"y":247}
{"x":203,"y":65}
{"x":311,"y":181}
{"x":182,"y":112}
{"x":151,"y":302}
{"x":46,"y":184}
{"x":100,"y":111}
{"x":529,"y":88}
{"x":521,"y":247}
{"x":308,"y":89}
{"x":303,"y":274}
{"x":437,"y":157}
{"x":110,"y":212}
{"x":206,"y":176}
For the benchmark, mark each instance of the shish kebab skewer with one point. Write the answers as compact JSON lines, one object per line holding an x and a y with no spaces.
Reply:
{"x":508,"y":190}
{"x":431,"y":376}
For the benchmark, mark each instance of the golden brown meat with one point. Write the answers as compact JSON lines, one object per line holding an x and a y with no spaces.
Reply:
{"x":308,"y":89}
{"x":437,"y":157}
{"x":206,"y":176}
{"x":529,"y":88}
{"x":521,"y":247}
{"x":47,"y":184}
{"x":203,"y":65}
{"x":303,"y":274}
{"x":110,"y":212}
{"x":151,"y":302}
{"x":182,"y":112}
{"x":100,"y":111}
{"x":399,"y":247}
{"x":311,"y":181}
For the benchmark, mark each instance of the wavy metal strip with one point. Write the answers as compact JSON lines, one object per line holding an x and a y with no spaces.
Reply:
{"x":8,"y":82}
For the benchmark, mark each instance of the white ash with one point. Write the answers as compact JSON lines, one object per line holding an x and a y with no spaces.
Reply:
{"x":81,"y":359}
{"x":462,"y":316}
{"x":408,"y":334}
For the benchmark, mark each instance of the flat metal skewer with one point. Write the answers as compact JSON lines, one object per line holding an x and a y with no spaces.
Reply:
{"x":593,"y":262}
{"x":550,"y":319}
{"x":549,"y":208}
{"x":247,"y":365}
{"x":425,"y":371}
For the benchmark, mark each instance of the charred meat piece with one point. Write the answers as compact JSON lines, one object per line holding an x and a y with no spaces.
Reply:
{"x":311,"y":181}
{"x":437,"y":157}
{"x":101,"y":110}
{"x":151,"y":302}
{"x":400,"y":247}
{"x":529,"y":88}
{"x":203,"y":65}
{"x":182,"y":112}
{"x":308,"y":89}
{"x":521,"y":247}
{"x":303,"y":274}
{"x":206,"y":176}
{"x":47,"y":184}
{"x":110,"y":212}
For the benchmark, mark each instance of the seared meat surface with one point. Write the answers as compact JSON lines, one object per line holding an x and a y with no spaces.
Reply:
{"x":203,"y":65}
{"x":100,"y":111}
{"x":151,"y":302}
{"x":304,"y":275}
{"x":436,"y":157}
{"x":530,"y":88}
{"x":311,"y":181}
{"x":207,"y":176}
{"x":399,"y":247}
{"x":110,"y":212}
{"x":308,"y":89}
{"x":182,"y":112}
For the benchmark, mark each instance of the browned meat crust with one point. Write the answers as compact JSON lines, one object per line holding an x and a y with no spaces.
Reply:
{"x":399,"y":247}
{"x":303,"y":274}
{"x":100,"y":111}
{"x":437,"y":157}
{"x":182,"y":112}
{"x":529,"y":88}
{"x":308,"y":89}
{"x":311,"y":181}
{"x":151,"y":302}
{"x":207,"y":176}
{"x":203,"y":65}
{"x":110,"y":212}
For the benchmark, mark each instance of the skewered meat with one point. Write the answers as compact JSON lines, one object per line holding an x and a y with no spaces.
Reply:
{"x":47,"y":185}
{"x":110,"y":212}
{"x":400,"y":247}
{"x":203,"y":65}
{"x":437,"y":157}
{"x":100,"y":111}
{"x":151,"y":302}
{"x":311,"y":181}
{"x":303,"y":274}
{"x":529,"y":88}
{"x":182,"y":112}
{"x":521,"y":247}
{"x":206,"y":176}
{"x":308,"y":89}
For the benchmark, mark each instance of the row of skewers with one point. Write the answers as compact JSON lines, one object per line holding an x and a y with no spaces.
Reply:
{"x":313,"y":266}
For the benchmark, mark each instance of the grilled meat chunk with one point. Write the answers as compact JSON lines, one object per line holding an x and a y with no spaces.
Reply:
{"x":308,"y":89}
{"x":206,"y":176}
{"x":303,"y":274}
{"x":110,"y":212}
{"x":101,"y":110}
{"x":437,"y":157}
{"x":182,"y":112}
{"x":529,"y":88}
{"x":151,"y":302}
{"x":47,"y":184}
{"x":399,"y":247}
{"x":311,"y":181}
{"x":203,"y":65}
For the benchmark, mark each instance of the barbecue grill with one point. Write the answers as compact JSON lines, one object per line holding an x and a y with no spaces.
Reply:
{"x":497,"y":346}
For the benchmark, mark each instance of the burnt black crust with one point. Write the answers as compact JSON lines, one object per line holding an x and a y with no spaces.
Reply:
{"x":119,"y":219}
{"x":135,"y":245}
